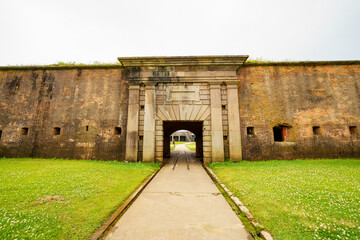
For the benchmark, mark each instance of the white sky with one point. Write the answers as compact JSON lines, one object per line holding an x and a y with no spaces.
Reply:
{"x":48,"y":31}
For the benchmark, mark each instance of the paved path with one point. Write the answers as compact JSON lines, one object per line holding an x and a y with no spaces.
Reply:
{"x":180,"y":204}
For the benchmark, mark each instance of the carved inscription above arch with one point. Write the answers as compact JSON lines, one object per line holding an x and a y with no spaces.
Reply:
{"x":182,"y":93}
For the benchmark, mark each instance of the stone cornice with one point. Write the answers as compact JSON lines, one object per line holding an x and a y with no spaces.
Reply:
{"x":227,"y":60}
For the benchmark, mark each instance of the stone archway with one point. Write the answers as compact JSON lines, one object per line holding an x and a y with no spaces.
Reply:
{"x":193,"y":89}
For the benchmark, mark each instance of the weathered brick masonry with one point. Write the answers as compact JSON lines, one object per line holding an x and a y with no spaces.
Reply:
{"x":300,"y":96}
{"x":80,"y":112}
{"x":86,"y":104}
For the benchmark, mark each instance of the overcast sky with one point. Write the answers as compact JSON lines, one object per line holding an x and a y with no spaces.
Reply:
{"x":48,"y":31}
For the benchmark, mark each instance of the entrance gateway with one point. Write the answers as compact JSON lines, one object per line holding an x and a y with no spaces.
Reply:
{"x":199,"y":94}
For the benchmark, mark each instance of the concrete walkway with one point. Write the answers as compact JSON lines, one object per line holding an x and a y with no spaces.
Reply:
{"x":180,"y":204}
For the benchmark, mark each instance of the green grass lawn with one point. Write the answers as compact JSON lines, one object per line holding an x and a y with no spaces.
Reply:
{"x":301,"y":199}
{"x":191,"y":146}
{"x":172,"y":147}
{"x":63,"y":199}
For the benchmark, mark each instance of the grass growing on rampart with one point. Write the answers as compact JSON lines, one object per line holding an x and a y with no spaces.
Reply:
{"x":301,"y":199}
{"x":63,"y":199}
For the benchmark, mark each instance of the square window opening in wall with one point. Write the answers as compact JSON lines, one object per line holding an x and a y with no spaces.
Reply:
{"x":87,"y":128}
{"x":24,"y":131}
{"x":223,"y":106}
{"x":117,"y":131}
{"x":225,"y":138}
{"x":316,"y":130}
{"x":140,"y":138}
{"x":250,"y":130}
{"x":56,"y":131}
{"x":142,"y":107}
{"x":353,"y":130}
{"x":280,"y":132}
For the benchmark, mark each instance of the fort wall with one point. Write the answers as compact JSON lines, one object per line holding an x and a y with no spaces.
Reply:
{"x":287,"y":110}
{"x":318,"y":105}
{"x":63,"y":113}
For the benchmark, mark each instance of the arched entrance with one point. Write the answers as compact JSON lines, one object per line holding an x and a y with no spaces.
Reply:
{"x":199,"y":94}
{"x":195,"y":127}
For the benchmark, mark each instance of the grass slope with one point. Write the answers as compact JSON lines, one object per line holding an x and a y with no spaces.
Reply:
{"x":301,"y":199}
{"x":63,"y":199}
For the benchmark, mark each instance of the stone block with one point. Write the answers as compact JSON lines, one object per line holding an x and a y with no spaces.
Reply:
{"x":205,"y":102}
{"x":159,"y":133}
{"x":266,"y":235}
{"x":207,"y":149}
{"x":207,"y":138}
{"x":159,"y":143}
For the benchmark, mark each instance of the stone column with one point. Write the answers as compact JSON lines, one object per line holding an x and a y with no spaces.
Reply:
{"x":149,"y":124}
{"x":234,"y":122}
{"x":217,"y":134}
{"x":132,"y":133}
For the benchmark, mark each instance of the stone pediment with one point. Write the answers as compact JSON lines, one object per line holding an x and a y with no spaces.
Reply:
{"x":182,"y":69}
{"x":226,"y":60}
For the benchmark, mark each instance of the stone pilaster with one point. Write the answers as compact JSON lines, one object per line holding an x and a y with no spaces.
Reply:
{"x":234,"y":122}
{"x":132,"y":134}
{"x":216,"y":124}
{"x":149,"y":124}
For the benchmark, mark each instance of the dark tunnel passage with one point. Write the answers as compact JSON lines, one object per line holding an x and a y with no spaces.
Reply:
{"x":169,"y":127}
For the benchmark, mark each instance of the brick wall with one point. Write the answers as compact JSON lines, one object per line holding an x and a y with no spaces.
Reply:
{"x":300,"y":97}
{"x":86,"y":104}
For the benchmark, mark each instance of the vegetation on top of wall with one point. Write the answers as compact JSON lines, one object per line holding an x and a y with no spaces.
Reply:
{"x":258,"y":60}
{"x":251,"y":62}
{"x":299,"y":63}
{"x":63,"y":65}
